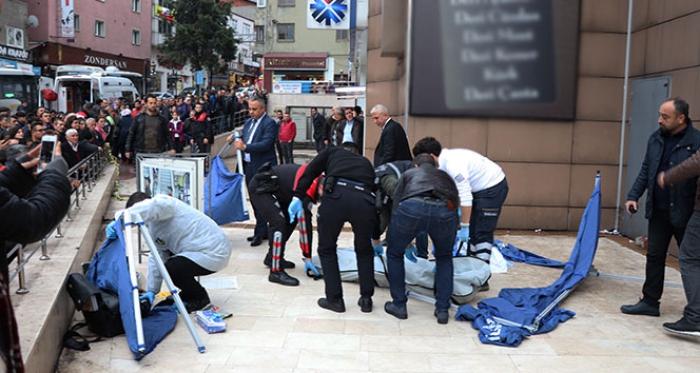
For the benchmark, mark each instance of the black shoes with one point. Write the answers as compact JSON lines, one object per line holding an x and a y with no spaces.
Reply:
{"x":284,"y":264}
{"x":196,"y":304}
{"x":396,"y":311}
{"x":256,"y":241}
{"x":335,"y":306}
{"x":683,"y":327}
{"x":251,"y":238}
{"x":283,"y":278}
{"x":442,"y":316}
{"x":365,"y":304}
{"x":641,"y":308}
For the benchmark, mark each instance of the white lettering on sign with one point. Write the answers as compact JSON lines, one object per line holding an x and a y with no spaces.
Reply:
{"x":101,"y":61}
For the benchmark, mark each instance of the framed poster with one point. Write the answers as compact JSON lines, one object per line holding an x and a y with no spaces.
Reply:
{"x":174,"y":175}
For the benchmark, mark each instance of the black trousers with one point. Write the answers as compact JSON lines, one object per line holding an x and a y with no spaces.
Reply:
{"x":660,"y":231}
{"x":357,"y":207}
{"x":277,"y":217}
{"x":260,"y":222}
{"x":183,"y":271}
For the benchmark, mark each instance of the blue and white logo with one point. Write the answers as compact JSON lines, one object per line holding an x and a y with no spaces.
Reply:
{"x":328,"y":14}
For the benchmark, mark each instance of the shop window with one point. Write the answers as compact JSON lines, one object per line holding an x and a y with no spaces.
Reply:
{"x":100,"y":28}
{"x":285,"y":32}
{"x":136,"y":37}
{"x":260,"y":34}
{"x":76,"y":22}
{"x":341,"y":35}
{"x":286,"y":3}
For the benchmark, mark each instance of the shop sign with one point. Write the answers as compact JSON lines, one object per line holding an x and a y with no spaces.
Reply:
{"x":12,"y":52}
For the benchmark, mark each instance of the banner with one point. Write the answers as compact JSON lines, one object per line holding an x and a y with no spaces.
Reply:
{"x":328,"y":14}
{"x":286,"y":87}
{"x":67,"y":24}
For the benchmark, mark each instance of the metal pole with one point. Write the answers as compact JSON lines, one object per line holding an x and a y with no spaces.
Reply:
{"x":239,"y":156}
{"x":624,"y":117}
{"x":129,"y":243}
{"x":407,"y":89}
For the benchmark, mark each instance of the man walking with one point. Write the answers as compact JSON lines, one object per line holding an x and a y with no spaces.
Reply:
{"x":319,"y":123}
{"x":149,"y":131}
{"x":288,"y":131}
{"x":350,"y":130}
{"x":675,"y":141}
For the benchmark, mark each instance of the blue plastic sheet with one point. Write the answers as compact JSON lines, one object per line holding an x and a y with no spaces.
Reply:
{"x":224,"y":188}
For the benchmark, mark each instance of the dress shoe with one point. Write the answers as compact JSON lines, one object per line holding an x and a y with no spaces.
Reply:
{"x":284,"y":263}
{"x":251,"y":238}
{"x":396,"y":311}
{"x":365,"y":304}
{"x":197,"y":304}
{"x":335,"y":306}
{"x":684,"y":327}
{"x":442,"y":316}
{"x":641,"y":308}
{"x":283,"y":278}
{"x":257,"y":241}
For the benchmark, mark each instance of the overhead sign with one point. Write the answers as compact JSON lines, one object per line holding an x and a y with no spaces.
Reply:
{"x":328,"y":14}
{"x":7,"y":51}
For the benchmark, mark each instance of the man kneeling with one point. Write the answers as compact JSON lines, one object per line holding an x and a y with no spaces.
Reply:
{"x":189,"y":242}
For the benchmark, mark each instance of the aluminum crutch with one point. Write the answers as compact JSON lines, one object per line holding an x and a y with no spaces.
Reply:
{"x":129,"y":244}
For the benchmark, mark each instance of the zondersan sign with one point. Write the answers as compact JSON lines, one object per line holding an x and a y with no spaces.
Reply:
{"x":7,"y":51}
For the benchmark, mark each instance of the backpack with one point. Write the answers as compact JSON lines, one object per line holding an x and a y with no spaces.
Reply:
{"x":100,"y":308}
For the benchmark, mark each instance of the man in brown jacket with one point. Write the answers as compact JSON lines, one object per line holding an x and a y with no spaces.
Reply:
{"x":689,"y":257}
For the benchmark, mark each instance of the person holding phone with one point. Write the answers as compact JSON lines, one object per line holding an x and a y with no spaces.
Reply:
{"x":25,"y":196}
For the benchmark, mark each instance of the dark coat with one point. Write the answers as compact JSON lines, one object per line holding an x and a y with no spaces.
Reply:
{"x":262,"y":146}
{"x":85,"y":148}
{"x":319,"y":123}
{"x":134,"y":141}
{"x":393,"y":145}
{"x":682,"y":194}
{"x":358,"y":132}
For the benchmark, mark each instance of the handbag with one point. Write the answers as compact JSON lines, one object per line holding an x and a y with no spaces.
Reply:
{"x":100,"y":308}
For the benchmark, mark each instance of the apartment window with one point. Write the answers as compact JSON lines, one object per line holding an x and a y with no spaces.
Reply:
{"x":76,"y":22}
{"x":136,"y":37}
{"x":246,"y":30}
{"x":341,"y":35}
{"x":136,"y":6}
{"x":285,"y":32}
{"x":165,"y":27}
{"x":100,"y":28}
{"x":286,"y":2}
{"x":260,"y":34}
{"x":234,"y":25}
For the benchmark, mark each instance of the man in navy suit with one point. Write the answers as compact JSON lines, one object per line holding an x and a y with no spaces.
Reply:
{"x":393,"y":143}
{"x":258,"y":146}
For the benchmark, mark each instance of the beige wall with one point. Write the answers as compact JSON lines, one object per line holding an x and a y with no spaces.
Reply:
{"x":551,"y":166}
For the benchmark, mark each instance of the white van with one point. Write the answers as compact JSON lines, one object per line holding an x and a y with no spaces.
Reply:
{"x":75,"y":90}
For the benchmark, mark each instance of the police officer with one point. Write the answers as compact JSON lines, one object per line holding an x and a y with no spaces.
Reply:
{"x":347,"y":196}
{"x":270,"y":193}
{"x":426,"y":199}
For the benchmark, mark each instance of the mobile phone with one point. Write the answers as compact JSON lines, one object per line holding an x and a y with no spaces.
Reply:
{"x":48,"y":149}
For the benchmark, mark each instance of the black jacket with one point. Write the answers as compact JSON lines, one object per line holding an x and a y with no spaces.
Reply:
{"x":682,"y":194}
{"x":336,"y":162}
{"x":426,"y":181}
{"x":319,"y":123}
{"x":357,"y":132}
{"x":393,"y":144}
{"x":85,"y":148}
{"x":135,"y":143}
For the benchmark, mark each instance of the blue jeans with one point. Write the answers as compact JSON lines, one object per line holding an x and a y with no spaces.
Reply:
{"x":413,"y":216}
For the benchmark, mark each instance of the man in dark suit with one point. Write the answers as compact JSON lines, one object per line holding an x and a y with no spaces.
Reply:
{"x":350,"y":129}
{"x":258,"y":146}
{"x":393,"y":143}
{"x":319,"y":123}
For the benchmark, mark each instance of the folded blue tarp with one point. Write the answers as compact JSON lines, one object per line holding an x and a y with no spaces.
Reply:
{"x":109,"y":270}
{"x":515,"y":254}
{"x":517,"y":313}
{"x":224,"y":201}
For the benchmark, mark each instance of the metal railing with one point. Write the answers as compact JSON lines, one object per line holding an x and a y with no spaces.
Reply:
{"x":86,"y":173}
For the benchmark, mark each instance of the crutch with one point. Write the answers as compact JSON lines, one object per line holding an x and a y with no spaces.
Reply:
{"x":239,"y":158}
{"x":146,"y":233}
{"x":276,"y":265}
{"x":304,"y":244}
{"x":128,"y":241}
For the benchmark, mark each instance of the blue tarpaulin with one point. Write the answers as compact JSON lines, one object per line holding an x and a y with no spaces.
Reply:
{"x":109,"y":270}
{"x":224,"y":201}
{"x":515,"y":254}
{"x":517,"y":313}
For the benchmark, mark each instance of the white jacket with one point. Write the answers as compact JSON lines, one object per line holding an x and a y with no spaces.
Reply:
{"x":471,"y":172}
{"x":183,"y":230}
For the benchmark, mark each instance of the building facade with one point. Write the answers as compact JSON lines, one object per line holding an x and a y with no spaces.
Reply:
{"x":550,"y":164}
{"x":99,"y":33}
